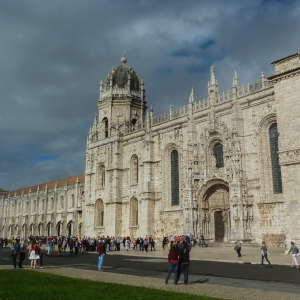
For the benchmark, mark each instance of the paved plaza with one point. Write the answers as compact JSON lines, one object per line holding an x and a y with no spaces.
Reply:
{"x":215,"y":271}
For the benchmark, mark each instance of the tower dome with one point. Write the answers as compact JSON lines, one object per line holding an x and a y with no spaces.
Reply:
{"x":122,"y":77}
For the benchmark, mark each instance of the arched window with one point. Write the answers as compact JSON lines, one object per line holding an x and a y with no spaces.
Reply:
{"x":134,"y":212}
{"x":174,"y":178}
{"x":101,"y":176}
{"x":276,"y":171}
{"x":218,"y":153}
{"x":99,"y":213}
{"x":73,"y":200}
{"x":134,"y":169}
{"x":105,"y":122}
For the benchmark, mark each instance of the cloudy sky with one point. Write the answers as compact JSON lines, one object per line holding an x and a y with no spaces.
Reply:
{"x":53,"y":54}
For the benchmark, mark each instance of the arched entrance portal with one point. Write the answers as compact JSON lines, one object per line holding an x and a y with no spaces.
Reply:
{"x":214,"y":211}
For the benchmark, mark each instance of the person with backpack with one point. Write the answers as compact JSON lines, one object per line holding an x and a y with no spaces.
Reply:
{"x":15,"y":251}
{"x":174,"y":258}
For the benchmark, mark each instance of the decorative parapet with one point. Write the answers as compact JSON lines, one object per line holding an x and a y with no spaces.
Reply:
{"x":254,"y":87}
{"x":289,"y":153}
{"x":201,"y":104}
{"x":172,"y":114}
{"x":224,"y":97}
{"x":119,"y":92}
{"x":129,"y":128}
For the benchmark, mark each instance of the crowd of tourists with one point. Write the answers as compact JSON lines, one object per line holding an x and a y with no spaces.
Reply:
{"x":178,"y":255}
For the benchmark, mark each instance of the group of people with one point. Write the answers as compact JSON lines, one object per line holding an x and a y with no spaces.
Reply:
{"x":21,"y":247}
{"x":168,"y":241}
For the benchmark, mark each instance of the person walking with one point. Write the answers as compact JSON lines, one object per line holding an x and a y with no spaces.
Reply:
{"x":32,"y":254}
{"x":294,"y":250}
{"x":127,"y":243}
{"x":50,"y":246}
{"x":101,"y":252}
{"x":264,"y":255}
{"x":185,"y":262}
{"x":41,"y":254}
{"x":23,"y":251}
{"x":59,"y":247}
{"x":15,"y":250}
{"x":202,"y":243}
{"x":238,"y":248}
{"x":174,"y":258}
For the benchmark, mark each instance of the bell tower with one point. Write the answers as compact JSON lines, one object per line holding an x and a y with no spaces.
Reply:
{"x":122,"y":99}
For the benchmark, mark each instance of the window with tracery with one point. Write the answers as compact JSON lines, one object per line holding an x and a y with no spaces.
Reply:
{"x":174,"y":178}
{"x":62,"y":200}
{"x":134,"y":213}
{"x":101,"y":176}
{"x":276,"y":171}
{"x":218,"y":153}
{"x":134,"y":170}
{"x":99,"y":213}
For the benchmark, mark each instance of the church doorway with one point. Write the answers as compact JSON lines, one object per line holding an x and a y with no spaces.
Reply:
{"x":214,"y":211}
{"x":219,"y":227}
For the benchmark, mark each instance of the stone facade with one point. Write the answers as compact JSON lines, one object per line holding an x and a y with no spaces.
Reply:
{"x":53,"y":208}
{"x":227,"y":166}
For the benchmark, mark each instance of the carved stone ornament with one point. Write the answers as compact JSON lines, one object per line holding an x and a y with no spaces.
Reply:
{"x":289,"y":153}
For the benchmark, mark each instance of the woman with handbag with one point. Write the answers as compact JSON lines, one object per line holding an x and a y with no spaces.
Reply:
{"x":33,"y":256}
{"x":264,"y":255}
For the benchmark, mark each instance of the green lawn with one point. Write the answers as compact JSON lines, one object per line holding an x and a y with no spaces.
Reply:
{"x":26,"y":284}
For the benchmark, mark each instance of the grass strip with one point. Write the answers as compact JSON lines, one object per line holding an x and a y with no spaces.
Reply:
{"x":26,"y":284}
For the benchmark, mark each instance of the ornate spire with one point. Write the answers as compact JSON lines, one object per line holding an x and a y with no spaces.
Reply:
{"x":192,"y":95}
{"x":235,"y":79}
{"x":212,"y":75}
{"x":212,"y":84}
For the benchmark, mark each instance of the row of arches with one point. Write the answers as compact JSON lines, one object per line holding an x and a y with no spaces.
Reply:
{"x":40,"y":229}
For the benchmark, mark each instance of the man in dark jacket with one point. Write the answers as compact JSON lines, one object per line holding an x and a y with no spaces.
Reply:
{"x":102,"y":252}
{"x":185,"y":261}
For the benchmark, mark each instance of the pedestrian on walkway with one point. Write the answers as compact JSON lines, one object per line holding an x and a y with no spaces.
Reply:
{"x":127,"y":244}
{"x":23,"y":251}
{"x":238,"y":248}
{"x":101,"y":252}
{"x":264,"y":255}
{"x":59,"y":246}
{"x":15,"y":251}
{"x":202,"y":243}
{"x":33,"y":256}
{"x":41,"y":254}
{"x":174,"y":258}
{"x":294,"y":250}
{"x":185,"y":262}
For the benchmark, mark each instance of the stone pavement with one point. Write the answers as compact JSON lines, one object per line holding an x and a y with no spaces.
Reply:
{"x":250,"y":254}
